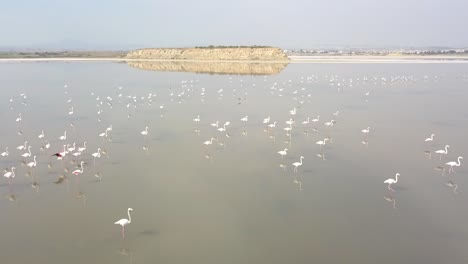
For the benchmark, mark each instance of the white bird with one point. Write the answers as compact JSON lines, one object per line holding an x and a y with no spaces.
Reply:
{"x":41,"y":135}
{"x":330,"y":123}
{"x":32,"y":163}
{"x":443,"y":151}
{"x":71,"y":111}
{"x":290,"y":121}
{"x":283,"y":152}
{"x":76,"y":172}
{"x":316,"y":119}
{"x":245,"y":119}
{"x":306,"y":121}
{"x":19,"y":118}
{"x":453,"y":163}
{"x":266,"y":120}
{"x":21,"y":147}
{"x":47,"y":145}
{"x":81,"y":149}
{"x":215,"y":124}
{"x":97,"y":154}
{"x":272,"y":125}
{"x":64,"y":136}
{"x":123,"y":222}
{"x":322,"y":142}
{"x":27,"y":154}
{"x":391,"y":181}
{"x":208,"y":142}
{"x":430,"y":139}
{"x":71,"y":149}
{"x":197,"y":119}
{"x":222,"y":129}
{"x":366,"y":131}
{"x":297,"y":164}
{"x":10,"y":174}
{"x":5,"y":153}
{"x":145,"y":132}
{"x":103,"y":134}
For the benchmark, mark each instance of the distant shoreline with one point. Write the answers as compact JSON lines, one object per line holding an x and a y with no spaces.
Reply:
{"x":293,"y":59}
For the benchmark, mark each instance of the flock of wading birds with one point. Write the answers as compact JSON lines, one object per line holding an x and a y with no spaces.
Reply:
{"x":76,"y":151}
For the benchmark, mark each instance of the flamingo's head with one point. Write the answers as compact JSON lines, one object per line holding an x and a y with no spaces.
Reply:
{"x":398,"y":174}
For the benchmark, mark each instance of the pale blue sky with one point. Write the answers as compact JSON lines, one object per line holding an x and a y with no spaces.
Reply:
{"x":121,"y":24}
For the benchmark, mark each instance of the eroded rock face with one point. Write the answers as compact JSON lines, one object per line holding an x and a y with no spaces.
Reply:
{"x":240,"y":68}
{"x":241,"y":53}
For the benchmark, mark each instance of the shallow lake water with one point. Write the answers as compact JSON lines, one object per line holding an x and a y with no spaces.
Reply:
{"x":236,"y":200}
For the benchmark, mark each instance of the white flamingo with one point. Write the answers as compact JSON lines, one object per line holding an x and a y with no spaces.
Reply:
{"x":453,"y":163}
{"x":283,"y":152}
{"x":32,"y":163}
{"x":430,"y":139}
{"x":21,"y":147}
{"x":27,"y":154}
{"x":208,"y":142}
{"x":443,"y":151}
{"x":366,"y":131}
{"x":297,"y":164}
{"x":145,"y":132}
{"x":5,"y":153}
{"x":76,"y":172}
{"x":10,"y":174}
{"x":391,"y":181}
{"x":41,"y":135}
{"x":197,"y":119}
{"x":64,"y":136}
{"x":123,"y":222}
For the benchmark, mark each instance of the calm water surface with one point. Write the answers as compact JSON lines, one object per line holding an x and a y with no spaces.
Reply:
{"x":232,"y":202}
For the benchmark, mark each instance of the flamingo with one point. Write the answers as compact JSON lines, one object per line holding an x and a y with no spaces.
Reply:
{"x":21,"y":147}
{"x":71,"y":149}
{"x":103,"y":134}
{"x":283,"y":152}
{"x":215,"y":124}
{"x":222,"y":129}
{"x":96,"y":154}
{"x":41,"y":135}
{"x":27,"y":154}
{"x":442,"y":151}
{"x":19,"y":118}
{"x":64,"y":136}
{"x":366,"y":131}
{"x":208,"y":142}
{"x":32,"y":163}
{"x":62,"y":154}
{"x":306,"y":121}
{"x":322,"y":142}
{"x":453,"y":163}
{"x":10,"y":174}
{"x":123,"y":222}
{"x":391,"y":181}
{"x":197,"y":119}
{"x":290,"y":121}
{"x":71,"y":111}
{"x":297,"y":164}
{"x":245,"y":119}
{"x":76,"y":172}
{"x":315,"y":120}
{"x":5,"y":153}
{"x":330,"y":123}
{"x":145,"y":132}
{"x":81,"y":149}
{"x":430,"y":139}
{"x":272,"y":125}
{"x":266,"y":120}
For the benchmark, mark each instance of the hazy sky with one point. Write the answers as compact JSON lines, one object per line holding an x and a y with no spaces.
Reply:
{"x":288,"y":24}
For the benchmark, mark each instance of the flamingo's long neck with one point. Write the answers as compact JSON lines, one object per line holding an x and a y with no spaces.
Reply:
{"x":301,"y":160}
{"x":458,"y":162}
{"x":129,"y":217}
{"x":446,"y":149}
{"x":35,"y":163}
{"x":396,"y":178}
{"x":13,"y":170}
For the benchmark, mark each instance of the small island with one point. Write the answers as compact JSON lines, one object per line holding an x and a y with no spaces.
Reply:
{"x":211,"y":53}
